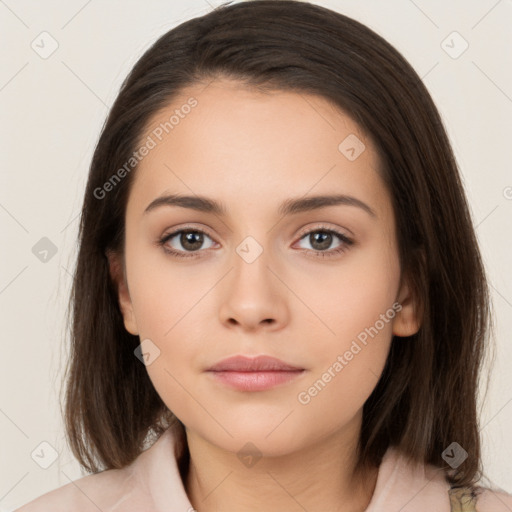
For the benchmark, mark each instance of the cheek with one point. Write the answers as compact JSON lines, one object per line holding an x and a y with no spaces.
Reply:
{"x":351,"y":299}
{"x":167,"y":302}
{"x":357,"y":307}
{"x":166,"y":312}
{"x":164,"y":294}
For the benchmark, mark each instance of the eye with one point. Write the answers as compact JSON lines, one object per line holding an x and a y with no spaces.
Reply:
{"x":320,"y":239}
{"x":191,"y":240}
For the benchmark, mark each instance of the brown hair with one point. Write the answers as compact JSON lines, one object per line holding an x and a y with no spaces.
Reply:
{"x":426,"y":397}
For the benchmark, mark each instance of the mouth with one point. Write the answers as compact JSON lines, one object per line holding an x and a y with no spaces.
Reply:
{"x":254,"y":374}
{"x":263,"y":363}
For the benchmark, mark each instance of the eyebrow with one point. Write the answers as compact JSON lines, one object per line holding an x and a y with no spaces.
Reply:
{"x":288,"y":207}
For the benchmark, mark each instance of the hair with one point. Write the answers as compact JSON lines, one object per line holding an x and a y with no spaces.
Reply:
{"x":426,"y":397}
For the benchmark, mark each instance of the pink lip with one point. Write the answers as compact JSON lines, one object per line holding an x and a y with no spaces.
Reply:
{"x":252,"y":364}
{"x":255,"y":381}
{"x":254,"y":374}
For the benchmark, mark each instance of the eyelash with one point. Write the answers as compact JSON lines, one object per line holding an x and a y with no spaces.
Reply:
{"x":347,"y":242}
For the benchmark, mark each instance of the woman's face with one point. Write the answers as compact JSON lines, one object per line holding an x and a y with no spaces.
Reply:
{"x":262,"y":277}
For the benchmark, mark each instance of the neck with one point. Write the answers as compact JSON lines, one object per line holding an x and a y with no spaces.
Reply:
{"x":319,"y":477}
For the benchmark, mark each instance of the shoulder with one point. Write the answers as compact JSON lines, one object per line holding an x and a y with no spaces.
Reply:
{"x":100,"y":491}
{"x":408,"y":486}
{"x":493,"y":500}
{"x":152,"y":481}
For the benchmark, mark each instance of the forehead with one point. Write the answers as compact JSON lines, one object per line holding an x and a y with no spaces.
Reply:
{"x":244,"y":145}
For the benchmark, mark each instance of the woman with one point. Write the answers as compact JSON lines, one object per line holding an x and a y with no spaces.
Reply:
{"x":278,"y":280}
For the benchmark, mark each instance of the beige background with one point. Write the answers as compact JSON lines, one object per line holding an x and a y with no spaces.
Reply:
{"x":52,"y":113}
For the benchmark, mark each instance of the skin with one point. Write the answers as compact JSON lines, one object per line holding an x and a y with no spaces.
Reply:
{"x":252,"y":151}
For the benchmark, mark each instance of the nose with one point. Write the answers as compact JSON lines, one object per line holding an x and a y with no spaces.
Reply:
{"x":252,"y":296}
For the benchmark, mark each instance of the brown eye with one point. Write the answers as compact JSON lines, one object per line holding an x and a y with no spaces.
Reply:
{"x":184,"y":241}
{"x":321,"y":240}
{"x":191,"y":240}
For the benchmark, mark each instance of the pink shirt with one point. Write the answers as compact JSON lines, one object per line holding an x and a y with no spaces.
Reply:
{"x":152,"y":483}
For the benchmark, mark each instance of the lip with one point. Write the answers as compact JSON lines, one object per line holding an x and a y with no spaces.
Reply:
{"x":252,"y":364}
{"x":254,"y":374}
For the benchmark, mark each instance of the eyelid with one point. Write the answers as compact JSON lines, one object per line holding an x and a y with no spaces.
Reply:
{"x":324,"y":226}
{"x":304,"y":231}
{"x":187,"y":227}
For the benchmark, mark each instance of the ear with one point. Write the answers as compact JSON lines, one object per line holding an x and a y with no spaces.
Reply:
{"x":117,"y":274}
{"x":407,"y":321}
